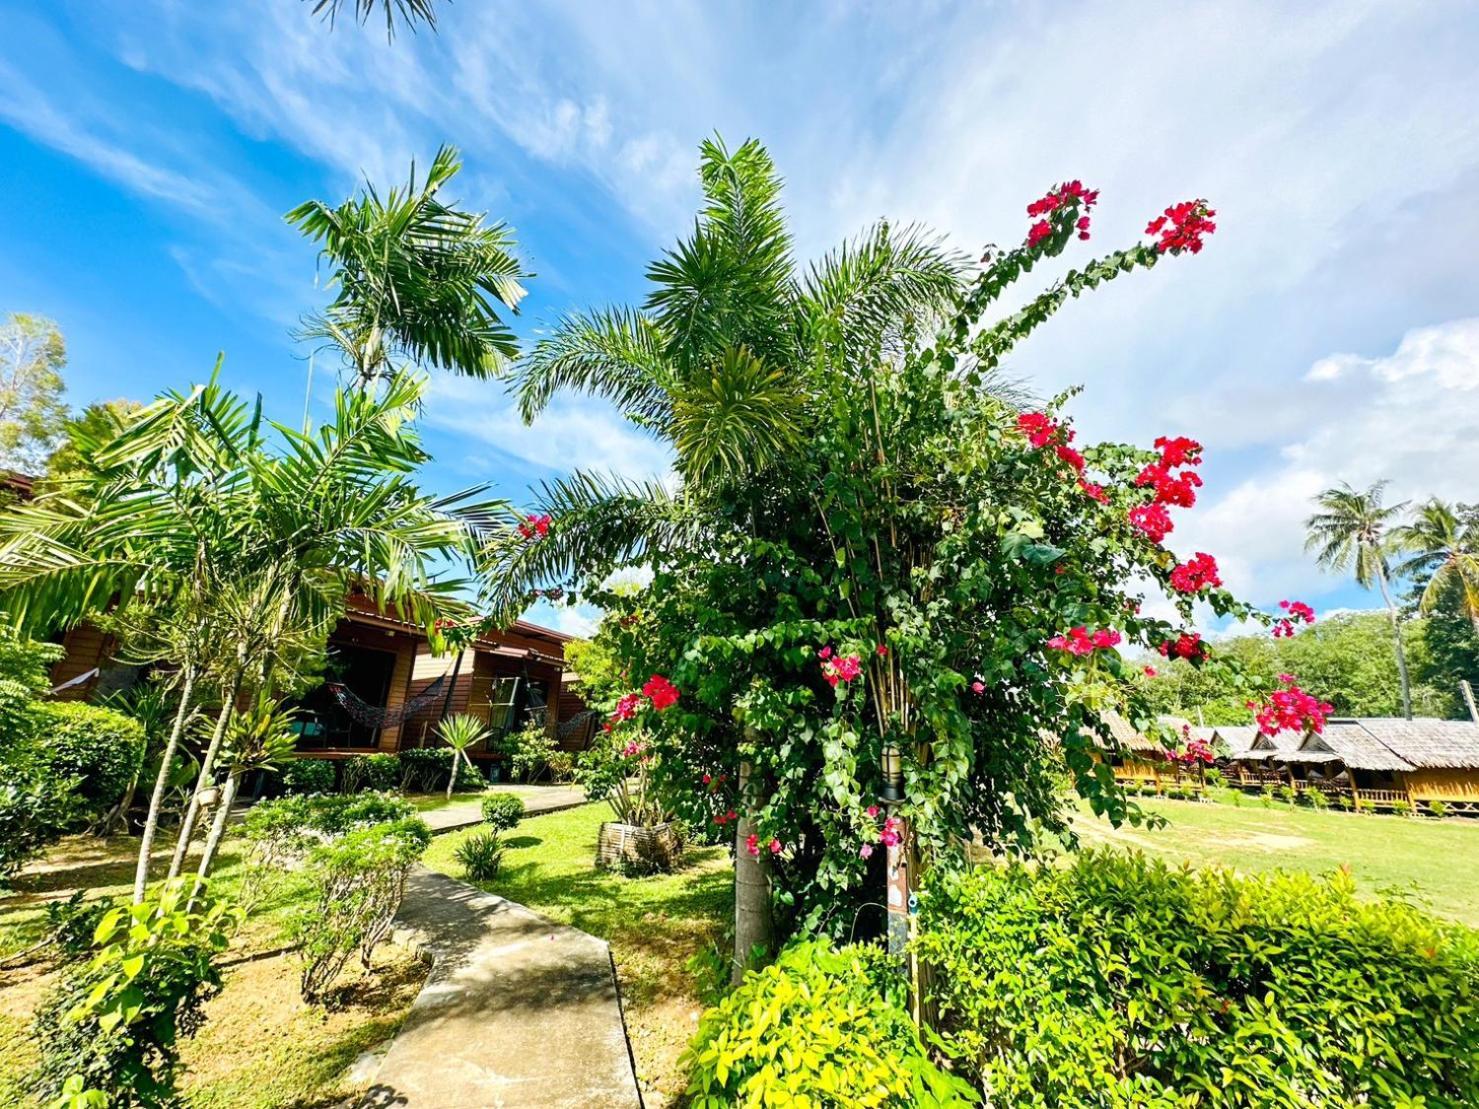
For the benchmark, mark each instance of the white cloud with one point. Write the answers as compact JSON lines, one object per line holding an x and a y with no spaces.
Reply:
{"x":1411,"y":416}
{"x":569,"y":435}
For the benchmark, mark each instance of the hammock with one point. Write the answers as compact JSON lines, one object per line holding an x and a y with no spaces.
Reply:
{"x":373,"y":716}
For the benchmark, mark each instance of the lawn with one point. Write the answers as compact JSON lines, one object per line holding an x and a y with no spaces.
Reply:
{"x":1434,"y":861}
{"x":261,"y":1046}
{"x":654,"y":924}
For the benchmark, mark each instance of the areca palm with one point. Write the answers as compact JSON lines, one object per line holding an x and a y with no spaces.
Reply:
{"x":1354,"y":531}
{"x":240,"y":546}
{"x":726,"y":362}
{"x":1441,"y":545}
{"x":409,"y":12}
{"x":414,"y":278}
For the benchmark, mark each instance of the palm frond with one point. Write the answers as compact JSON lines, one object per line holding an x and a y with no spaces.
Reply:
{"x":735,"y":419}
{"x":409,"y":12}
{"x":617,"y":354}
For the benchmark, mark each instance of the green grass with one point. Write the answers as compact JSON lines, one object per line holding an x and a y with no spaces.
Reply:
{"x":654,"y":924}
{"x":261,"y":1047}
{"x":1434,"y":861}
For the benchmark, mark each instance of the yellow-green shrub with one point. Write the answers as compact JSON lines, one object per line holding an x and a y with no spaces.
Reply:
{"x":1122,"y":982}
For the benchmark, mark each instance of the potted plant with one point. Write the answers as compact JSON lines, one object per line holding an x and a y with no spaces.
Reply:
{"x":644,"y":837}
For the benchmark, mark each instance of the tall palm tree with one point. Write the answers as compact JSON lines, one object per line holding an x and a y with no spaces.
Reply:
{"x":723,"y":363}
{"x":1441,"y":545}
{"x":1353,"y":530}
{"x":414,"y":278}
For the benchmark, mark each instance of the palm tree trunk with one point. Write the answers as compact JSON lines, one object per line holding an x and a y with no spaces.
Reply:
{"x":156,"y":800}
{"x":1381,"y":578}
{"x":204,"y":779}
{"x":754,"y":924}
{"x":218,"y":825}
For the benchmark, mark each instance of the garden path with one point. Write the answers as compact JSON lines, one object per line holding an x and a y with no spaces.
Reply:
{"x":517,"y":1011}
{"x":537,"y":799}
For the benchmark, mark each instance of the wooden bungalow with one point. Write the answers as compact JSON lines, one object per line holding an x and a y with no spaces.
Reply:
{"x":1251,"y":757}
{"x":384,"y":688}
{"x":1141,"y":760}
{"x":1384,"y":761}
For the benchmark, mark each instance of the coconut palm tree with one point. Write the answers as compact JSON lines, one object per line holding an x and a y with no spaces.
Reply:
{"x":722,"y":363}
{"x":1353,"y":530}
{"x":1441,"y":545}
{"x":461,"y":732}
{"x":414,"y":277}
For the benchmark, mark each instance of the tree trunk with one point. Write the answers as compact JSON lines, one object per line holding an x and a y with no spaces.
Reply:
{"x":156,"y":800}
{"x":203,"y":781}
{"x":1381,"y":577}
{"x":754,"y":926}
{"x":218,"y":825}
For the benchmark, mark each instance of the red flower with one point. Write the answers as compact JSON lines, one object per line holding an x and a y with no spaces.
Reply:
{"x":775,"y":847}
{"x":1066,"y":194}
{"x":1182,"y":227}
{"x":1195,"y":575}
{"x":1150,"y":671}
{"x":534,"y":527}
{"x":1093,"y":490}
{"x":1039,"y":428}
{"x":1179,"y":451}
{"x":881,"y":650}
{"x":752,"y":845}
{"x":1038,"y":232}
{"x":708,"y":778}
{"x":891,"y":836}
{"x":843,"y":668}
{"x":1298,"y":612}
{"x":1173,"y":489}
{"x":627,"y":707}
{"x":661,"y":692}
{"x":1080,"y":641}
{"x":873,"y":811}
{"x":1290,"y":709}
{"x":1151,"y":519}
{"x":1187,"y":645}
{"x":1071,"y":456}
{"x":825,"y":652}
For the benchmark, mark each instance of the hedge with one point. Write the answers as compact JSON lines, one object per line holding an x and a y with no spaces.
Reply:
{"x":98,"y":746}
{"x":1123,"y":982}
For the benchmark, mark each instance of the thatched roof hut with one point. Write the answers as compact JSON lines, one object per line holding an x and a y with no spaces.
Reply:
{"x":1391,"y":744}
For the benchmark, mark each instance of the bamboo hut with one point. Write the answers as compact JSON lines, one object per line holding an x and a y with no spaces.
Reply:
{"x":1385,"y":762}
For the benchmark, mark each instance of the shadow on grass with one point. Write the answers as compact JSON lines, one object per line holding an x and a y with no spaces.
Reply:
{"x":522,"y":841}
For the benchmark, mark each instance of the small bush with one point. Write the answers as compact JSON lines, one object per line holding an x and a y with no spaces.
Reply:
{"x":481,"y":854}
{"x":1123,"y":982}
{"x":1286,"y":794}
{"x":99,"y":747}
{"x":35,"y":810}
{"x":380,"y":772}
{"x":425,"y":770}
{"x":116,"y":1020}
{"x":1216,"y":778}
{"x":501,"y":811}
{"x":561,"y":766}
{"x":527,"y":752}
{"x":1402,"y":808}
{"x":358,"y":881}
{"x":817,"y":1027}
{"x":308,"y":775}
{"x":1317,"y":799}
{"x":1438,"y":809}
{"x":1345,"y":801}
{"x":1266,"y":794}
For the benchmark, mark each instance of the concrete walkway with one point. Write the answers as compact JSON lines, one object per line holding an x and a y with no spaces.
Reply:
{"x":518,"y":1011}
{"x":537,"y":799}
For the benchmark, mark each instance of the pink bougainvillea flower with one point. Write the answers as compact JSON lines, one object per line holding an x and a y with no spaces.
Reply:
{"x":891,"y":836}
{"x":1187,"y":645}
{"x":1080,"y":641}
{"x":1094,"y":490}
{"x":775,"y":847}
{"x":872,"y":812}
{"x":752,"y":845}
{"x":866,"y":851}
{"x":708,"y":778}
{"x":1179,"y":451}
{"x":978,"y":687}
{"x":1038,"y":427}
{"x":843,"y":668}
{"x":1182,"y":227}
{"x":534,"y":527}
{"x":1152,"y":520}
{"x":1039,"y":231}
{"x":881,"y":650}
{"x":1071,"y":456}
{"x":1196,"y":574}
{"x":1151,"y":671}
{"x":662,"y":693}
{"x":1290,"y":709}
{"x":627,"y":707}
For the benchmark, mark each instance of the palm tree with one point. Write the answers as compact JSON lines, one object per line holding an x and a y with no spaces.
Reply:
{"x":722,"y":362}
{"x":415,"y":278}
{"x":240,"y":547}
{"x":1352,"y":530}
{"x":409,"y":12}
{"x":461,"y":733}
{"x":1442,"y":549}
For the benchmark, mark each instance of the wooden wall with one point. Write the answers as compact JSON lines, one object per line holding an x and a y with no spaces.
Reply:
{"x":1443,"y":785}
{"x":86,"y":648}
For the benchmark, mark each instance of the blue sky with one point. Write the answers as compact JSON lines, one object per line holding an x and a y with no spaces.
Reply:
{"x":1330,"y":331}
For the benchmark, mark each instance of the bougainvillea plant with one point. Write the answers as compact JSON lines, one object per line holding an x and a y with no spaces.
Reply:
{"x":934,"y":566}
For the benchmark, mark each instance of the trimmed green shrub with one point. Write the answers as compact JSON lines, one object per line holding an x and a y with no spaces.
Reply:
{"x":1122,"y":982}
{"x":817,"y":1027}
{"x":425,"y":770}
{"x":501,"y":811}
{"x":1345,"y":801}
{"x":358,"y":881}
{"x":1402,"y":808}
{"x":1317,"y":798}
{"x":1438,"y":809}
{"x":116,"y":1019}
{"x":100,"y":747}
{"x":1286,"y":794}
{"x":379,"y":772}
{"x":303,"y":774}
{"x":1267,"y":795}
{"x":527,"y":751}
{"x":481,"y":854}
